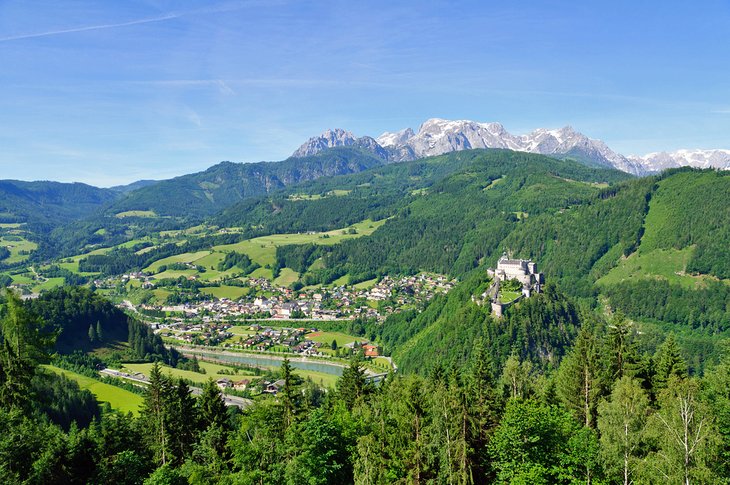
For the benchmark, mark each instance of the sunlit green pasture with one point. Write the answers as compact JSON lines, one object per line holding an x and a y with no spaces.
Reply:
{"x":118,"y":398}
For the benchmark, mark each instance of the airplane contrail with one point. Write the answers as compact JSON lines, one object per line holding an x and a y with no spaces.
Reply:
{"x":90,"y":27}
{"x":148,"y":20}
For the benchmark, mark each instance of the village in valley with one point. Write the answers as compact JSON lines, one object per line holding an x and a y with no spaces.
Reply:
{"x":279,"y":319}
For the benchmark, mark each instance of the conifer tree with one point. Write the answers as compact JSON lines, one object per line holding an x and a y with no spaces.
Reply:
{"x":623,"y":355}
{"x":482,"y":394}
{"x":24,"y":343}
{"x":579,"y":383}
{"x":212,"y":408}
{"x":92,"y":334}
{"x":99,"y":332}
{"x":668,"y":362}
{"x":155,"y":414}
{"x":352,"y":386}
{"x":182,"y":422}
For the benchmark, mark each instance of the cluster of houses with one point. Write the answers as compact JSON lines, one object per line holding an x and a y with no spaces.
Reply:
{"x":254,"y":386}
{"x":348,"y":302}
{"x":258,"y":338}
{"x":292,"y":338}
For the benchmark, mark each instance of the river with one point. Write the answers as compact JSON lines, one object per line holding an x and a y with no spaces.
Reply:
{"x":266,"y":361}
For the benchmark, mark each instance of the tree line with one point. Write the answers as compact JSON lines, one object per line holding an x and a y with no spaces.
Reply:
{"x":606,"y":413}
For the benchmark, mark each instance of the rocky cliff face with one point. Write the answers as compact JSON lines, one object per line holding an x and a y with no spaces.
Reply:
{"x":329,"y":139}
{"x":339,"y":138}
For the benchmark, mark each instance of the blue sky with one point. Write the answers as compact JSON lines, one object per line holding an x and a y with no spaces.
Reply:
{"x":109,"y":92}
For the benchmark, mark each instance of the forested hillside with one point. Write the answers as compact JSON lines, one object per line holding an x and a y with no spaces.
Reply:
{"x":83,"y":320}
{"x":608,"y":411}
{"x":50,"y":203}
{"x":205,"y":193}
{"x":187,"y":200}
{"x":643,"y":244}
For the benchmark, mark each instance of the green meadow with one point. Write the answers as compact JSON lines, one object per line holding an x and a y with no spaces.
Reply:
{"x":118,"y":398}
{"x":212,"y":371}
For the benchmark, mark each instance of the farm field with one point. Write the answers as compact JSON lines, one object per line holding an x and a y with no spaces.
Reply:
{"x":213,"y":371}
{"x":262,"y":250}
{"x":50,"y":283}
{"x":230,"y":292}
{"x":135,"y":213}
{"x":118,"y":398}
{"x":17,"y":245}
{"x":22,"y":279}
{"x":178,"y":258}
{"x":326,"y":339}
{"x":286,"y":277}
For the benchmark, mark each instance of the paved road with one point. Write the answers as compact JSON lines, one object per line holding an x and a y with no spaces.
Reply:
{"x":241,"y":402}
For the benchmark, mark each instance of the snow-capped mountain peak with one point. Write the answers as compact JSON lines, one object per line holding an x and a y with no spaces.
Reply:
{"x":392,"y":139}
{"x":437,"y":136}
{"x":658,"y":161}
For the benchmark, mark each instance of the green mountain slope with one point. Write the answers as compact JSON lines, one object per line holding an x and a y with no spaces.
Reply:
{"x":204,"y":193}
{"x":50,"y":203}
{"x":72,"y":312}
{"x":187,"y":200}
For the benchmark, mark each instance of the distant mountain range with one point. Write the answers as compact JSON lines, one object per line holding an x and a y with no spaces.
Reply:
{"x":438,"y":136}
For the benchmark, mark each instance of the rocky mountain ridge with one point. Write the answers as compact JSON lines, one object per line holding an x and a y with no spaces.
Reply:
{"x":437,"y":136}
{"x":658,"y":161}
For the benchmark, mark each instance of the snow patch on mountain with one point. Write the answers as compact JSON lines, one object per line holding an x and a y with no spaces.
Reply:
{"x":658,"y":161}
{"x":437,"y":136}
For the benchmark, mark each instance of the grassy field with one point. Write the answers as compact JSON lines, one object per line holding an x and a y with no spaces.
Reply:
{"x":117,"y":398}
{"x":321,"y":378}
{"x":286,"y":277}
{"x":175,"y":273}
{"x":230,"y":292}
{"x":494,"y":183}
{"x":212,"y":371}
{"x":342,"y":280}
{"x":17,"y":244}
{"x":668,"y":264}
{"x":210,"y":262}
{"x":305,"y":197}
{"x":326,"y":339}
{"x":366,"y":285}
{"x":136,"y":213}
{"x":508,"y":296}
{"x":49,"y":284}
{"x":161,"y":293}
{"x":22,"y":279}
{"x":262,"y":250}
{"x":178,"y":258}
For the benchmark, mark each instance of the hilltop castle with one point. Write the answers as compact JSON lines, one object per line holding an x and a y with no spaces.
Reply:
{"x":522,"y":270}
